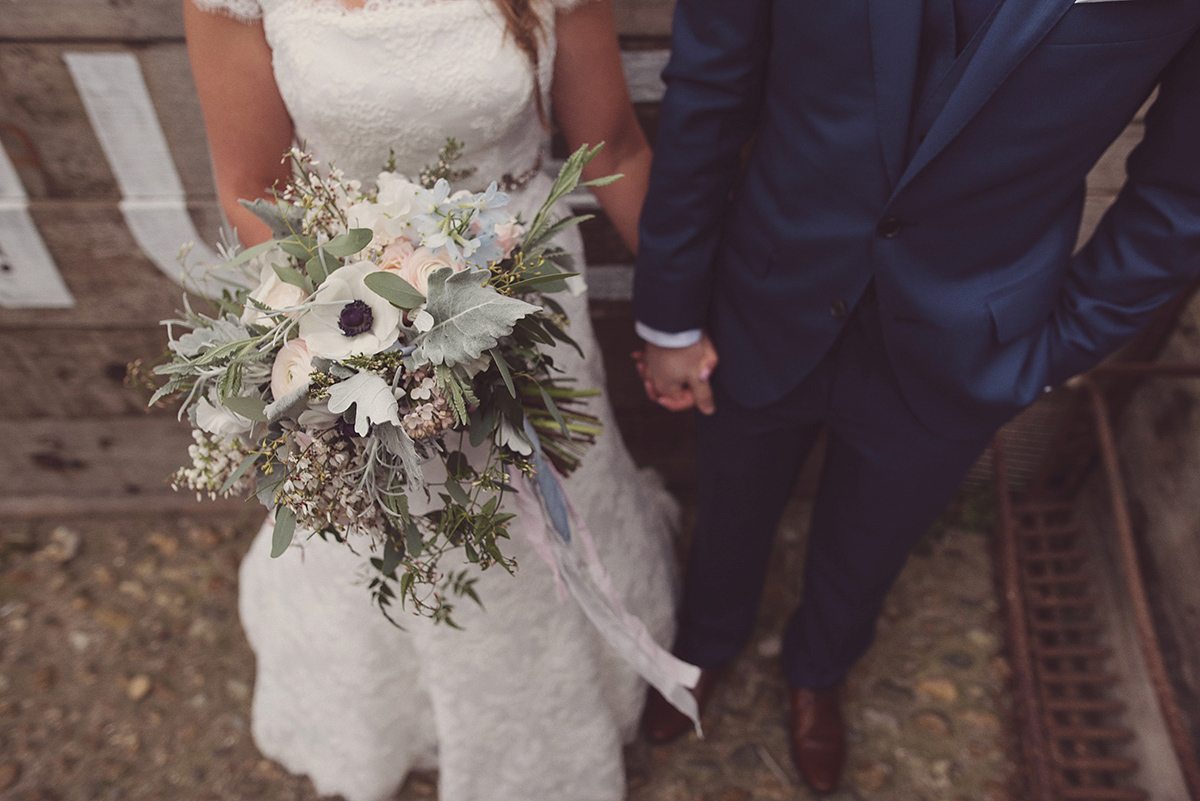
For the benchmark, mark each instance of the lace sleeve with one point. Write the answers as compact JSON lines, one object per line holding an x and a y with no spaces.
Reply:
{"x":245,"y":10}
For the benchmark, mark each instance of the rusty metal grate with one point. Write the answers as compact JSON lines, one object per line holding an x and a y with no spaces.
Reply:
{"x":1079,"y":715}
{"x":1069,"y":715}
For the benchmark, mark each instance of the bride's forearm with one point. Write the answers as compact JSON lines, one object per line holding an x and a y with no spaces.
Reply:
{"x":622,"y":200}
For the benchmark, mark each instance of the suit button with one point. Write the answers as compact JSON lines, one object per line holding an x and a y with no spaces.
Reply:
{"x":890,"y":227}
{"x":839,"y":309}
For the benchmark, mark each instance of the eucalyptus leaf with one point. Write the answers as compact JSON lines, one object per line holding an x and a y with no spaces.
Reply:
{"x":285,"y":529}
{"x":393,"y":552}
{"x":502,"y":367}
{"x":249,"y":253}
{"x":297,"y":248}
{"x":469,"y":317}
{"x":394,"y":289}
{"x":290,"y":275}
{"x":553,"y":409}
{"x":349,"y":243}
{"x":246,"y":464}
{"x":412,"y":538}
{"x":457,"y":493}
{"x":250,"y":408}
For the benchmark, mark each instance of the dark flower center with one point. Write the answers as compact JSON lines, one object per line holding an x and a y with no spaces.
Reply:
{"x":355,"y":318}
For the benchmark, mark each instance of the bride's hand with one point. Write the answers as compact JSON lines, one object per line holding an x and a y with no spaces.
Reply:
{"x":678,"y":378}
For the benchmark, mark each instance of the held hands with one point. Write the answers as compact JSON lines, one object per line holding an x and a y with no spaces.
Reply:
{"x":677,"y":378}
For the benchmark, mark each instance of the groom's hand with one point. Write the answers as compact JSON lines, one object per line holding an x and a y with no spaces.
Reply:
{"x":677,"y":378}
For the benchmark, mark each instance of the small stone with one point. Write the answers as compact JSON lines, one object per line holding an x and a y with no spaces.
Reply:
{"x":63,"y":546}
{"x":9,"y":773}
{"x":82,"y":603}
{"x":959,"y":659}
{"x":980,"y":719}
{"x":205,"y":537}
{"x":44,"y":678}
{"x":127,"y":740}
{"x":133,"y":589}
{"x":891,"y":690}
{"x":875,"y":719}
{"x":167,"y":546}
{"x":981,"y":638}
{"x":938,"y":689}
{"x":238,"y":690}
{"x":138,"y":687}
{"x":18,"y":625}
{"x":103,"y":576}
{"x":112,"y":620}
{"x":931,"y":723}
{"x":4,"y":683}
{"x":872,"y":777}
{"x":770,"y":647}
{"x":999,"y":668}
{"x":79,"y":640}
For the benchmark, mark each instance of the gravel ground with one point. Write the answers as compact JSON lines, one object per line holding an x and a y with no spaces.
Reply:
{"x":124,"y":674}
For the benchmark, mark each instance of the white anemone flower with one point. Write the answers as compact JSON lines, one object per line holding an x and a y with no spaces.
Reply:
{"x":344,"y":318}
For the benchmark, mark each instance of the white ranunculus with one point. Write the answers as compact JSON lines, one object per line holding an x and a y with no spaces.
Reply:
{"x":292,"y":366}
{"x":346,"y":319}
{"x":220,"y":421}
{"x":271,"y":292}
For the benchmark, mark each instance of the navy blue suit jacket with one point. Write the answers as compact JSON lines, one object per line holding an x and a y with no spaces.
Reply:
{"x":969,"y":241}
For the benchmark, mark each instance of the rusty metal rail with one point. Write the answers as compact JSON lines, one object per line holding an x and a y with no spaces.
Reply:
{"x":1068,"y":711}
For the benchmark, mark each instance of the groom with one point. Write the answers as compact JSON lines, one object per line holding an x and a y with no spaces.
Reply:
{"x":867,"y":209}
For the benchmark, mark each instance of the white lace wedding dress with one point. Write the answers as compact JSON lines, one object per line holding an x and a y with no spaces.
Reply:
{"x":526,"y":703}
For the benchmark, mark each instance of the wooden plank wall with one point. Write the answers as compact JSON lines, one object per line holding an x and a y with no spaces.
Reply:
{"x":72,"y":437}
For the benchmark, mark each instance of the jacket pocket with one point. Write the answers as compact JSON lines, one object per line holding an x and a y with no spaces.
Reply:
{"x":1024,"y":306}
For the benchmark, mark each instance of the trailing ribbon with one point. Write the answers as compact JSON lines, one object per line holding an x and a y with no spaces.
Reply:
{"x":548,"y":518}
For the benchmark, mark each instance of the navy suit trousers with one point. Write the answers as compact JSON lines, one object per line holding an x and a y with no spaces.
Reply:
{"x":885,"y":480}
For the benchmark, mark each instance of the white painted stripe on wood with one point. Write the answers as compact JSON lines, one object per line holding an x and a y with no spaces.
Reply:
{"x":643,"y":73}
{"x":28,"y":276}
{"x":153,"y":203}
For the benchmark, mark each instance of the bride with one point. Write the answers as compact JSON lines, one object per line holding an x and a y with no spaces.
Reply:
{"x":525,"y":702}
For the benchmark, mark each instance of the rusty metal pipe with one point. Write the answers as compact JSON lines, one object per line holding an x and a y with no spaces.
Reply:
{"x":1147,"y":636}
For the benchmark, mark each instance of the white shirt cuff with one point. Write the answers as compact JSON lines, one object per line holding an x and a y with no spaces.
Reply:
{"x":663,"y":339}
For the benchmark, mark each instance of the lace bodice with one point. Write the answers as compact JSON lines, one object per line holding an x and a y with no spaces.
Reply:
{"x":401,"y":76}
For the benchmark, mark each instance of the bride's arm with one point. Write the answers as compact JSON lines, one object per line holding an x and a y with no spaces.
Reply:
{"x":249,"y":129}
{"x":591,"y":105}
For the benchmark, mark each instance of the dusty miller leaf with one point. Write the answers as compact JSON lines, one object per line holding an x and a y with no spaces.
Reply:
{"x":469,"y":317}
{"x":371,"y":395}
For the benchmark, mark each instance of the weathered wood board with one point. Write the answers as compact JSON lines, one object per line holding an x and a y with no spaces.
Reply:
{"x":73,"y":373}
{"x":153,"y":20}
{"x":116,"y":457}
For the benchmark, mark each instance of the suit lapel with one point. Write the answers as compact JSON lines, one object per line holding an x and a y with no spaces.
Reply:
{"x":895,"y":42}
{"x":1018,"y":27}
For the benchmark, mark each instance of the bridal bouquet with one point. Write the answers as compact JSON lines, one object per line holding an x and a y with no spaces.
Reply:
{"x":386,"y":331}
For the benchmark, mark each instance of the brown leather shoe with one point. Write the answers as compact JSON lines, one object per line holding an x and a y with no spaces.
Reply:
{"x":818,"y":737}
{"x":663,"y":723}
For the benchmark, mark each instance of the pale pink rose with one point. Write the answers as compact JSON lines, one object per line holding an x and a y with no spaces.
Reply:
{"x":395,"y":254}
{"x":422,"y":263}
{"x":508,"y":236}
{"x":272,"y":293}
{"x":292,"y":366}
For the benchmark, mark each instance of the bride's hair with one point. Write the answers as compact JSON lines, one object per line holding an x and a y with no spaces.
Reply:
{"x":524,"y":25}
